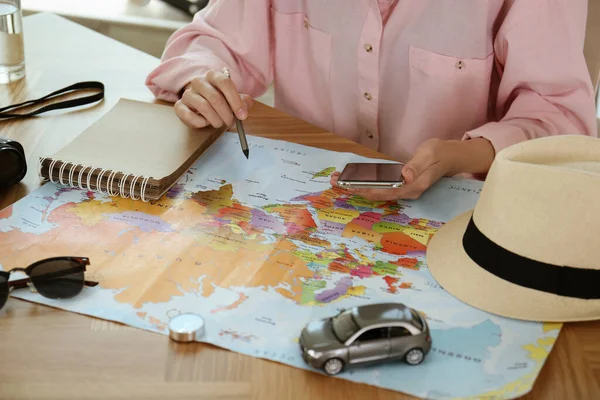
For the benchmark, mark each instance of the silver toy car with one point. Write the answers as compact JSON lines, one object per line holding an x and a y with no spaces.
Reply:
{"x":365,"y":334}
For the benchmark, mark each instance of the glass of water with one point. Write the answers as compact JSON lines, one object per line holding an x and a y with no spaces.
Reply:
{"x":12,"y":51}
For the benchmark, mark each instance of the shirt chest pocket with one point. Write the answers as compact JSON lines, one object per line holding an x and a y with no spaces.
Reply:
{"x":302,"y":68}
{"x":448,"y":95}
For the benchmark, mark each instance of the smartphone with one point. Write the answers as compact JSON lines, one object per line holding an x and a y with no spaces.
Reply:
{"x":372,"y":175}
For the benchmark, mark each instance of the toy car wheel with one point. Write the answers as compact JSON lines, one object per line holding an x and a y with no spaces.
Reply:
{"x":414,"y":356}
{"x":333,"y":366}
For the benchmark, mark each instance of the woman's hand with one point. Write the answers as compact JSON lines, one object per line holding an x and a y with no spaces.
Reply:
{"x":210,"y":99}
{"x":432,"y":160}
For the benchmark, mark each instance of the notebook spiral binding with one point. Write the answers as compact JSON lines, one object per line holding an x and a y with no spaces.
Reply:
{"x":85,"y":182}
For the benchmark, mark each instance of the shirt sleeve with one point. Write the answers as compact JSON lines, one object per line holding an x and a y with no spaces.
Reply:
{"x":545,"y":87}
{"x":226,"y":33}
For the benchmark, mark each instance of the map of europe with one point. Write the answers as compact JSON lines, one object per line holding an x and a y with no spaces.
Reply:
{"x":248,"y":243}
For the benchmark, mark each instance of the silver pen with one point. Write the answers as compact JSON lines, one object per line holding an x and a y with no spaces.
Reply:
{"x":239,"y":126}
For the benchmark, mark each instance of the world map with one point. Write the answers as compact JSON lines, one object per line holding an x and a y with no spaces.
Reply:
{"x":249,"y":243}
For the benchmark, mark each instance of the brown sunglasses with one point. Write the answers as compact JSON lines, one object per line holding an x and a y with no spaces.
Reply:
{"x":54,"y":278}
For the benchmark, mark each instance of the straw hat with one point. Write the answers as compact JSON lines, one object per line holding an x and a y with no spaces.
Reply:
{"x":531,"y":247}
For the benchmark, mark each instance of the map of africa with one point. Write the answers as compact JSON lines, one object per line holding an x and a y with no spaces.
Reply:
{"x":249,"y":243}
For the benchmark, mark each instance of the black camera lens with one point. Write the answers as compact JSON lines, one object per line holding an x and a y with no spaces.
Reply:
{"x":13,"y":166}
{"x":9,"y":164}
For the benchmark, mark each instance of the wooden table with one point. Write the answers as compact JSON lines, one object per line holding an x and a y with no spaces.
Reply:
{"x":53,"y":354}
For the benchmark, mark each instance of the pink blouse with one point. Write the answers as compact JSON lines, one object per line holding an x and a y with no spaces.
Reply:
{"x":505,"y":70}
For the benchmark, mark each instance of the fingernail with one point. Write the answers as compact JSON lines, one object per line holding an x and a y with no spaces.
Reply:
{"x":242,"y":113}
{"x":410,"y":174}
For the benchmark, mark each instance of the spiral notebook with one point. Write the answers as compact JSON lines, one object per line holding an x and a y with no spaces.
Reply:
{"x":137,"y":150}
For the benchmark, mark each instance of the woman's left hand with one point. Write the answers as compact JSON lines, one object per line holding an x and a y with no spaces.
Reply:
{"x":432,"y":160}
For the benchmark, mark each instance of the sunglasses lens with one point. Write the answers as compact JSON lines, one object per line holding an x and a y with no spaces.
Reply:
{"x":58,"y":279}
{"x":3,"y":290}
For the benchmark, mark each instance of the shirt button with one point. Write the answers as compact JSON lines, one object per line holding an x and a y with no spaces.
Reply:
{"x":368,"y":48}
{"x":460,"y":65}
{"x":368,"y":96}
{"x":370,"y":135}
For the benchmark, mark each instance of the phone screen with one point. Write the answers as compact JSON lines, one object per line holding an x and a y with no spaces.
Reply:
{"x":372,"y":172}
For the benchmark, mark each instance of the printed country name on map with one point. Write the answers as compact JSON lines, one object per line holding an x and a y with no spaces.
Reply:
{"x":225,"y":238}
{"x":290,"y":162}
{"x":360,"y":202}
{"x":329,"y":297}
{"x":290,"y":211}
{"x":274,"y":355}
{"x":390,"y":227}
{"x":431,"y":319}
{"x":293,"y":179}
{"x":363,"y":233}
{"x":29,"y":223}
{"x":138,"y":217}
{"x":389,"y":243}
{"x":359,"y":296}
{"x":212,"y":197}
{"x":338,"y":215}
{"x":289,"y":151}
{"x":252,"y":145}
{"x":163,"y":205}
{"x":464,"y":189}
{"x":521,"y":365}
{"x":456,"y":355}
{"x":217,"y":181}
{"x":261,"y":196}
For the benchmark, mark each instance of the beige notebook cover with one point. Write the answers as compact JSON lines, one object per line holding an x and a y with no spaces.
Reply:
{"x":136,"y":150}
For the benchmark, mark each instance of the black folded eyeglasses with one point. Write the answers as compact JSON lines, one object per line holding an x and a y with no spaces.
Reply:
{"x":54,"y":278}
